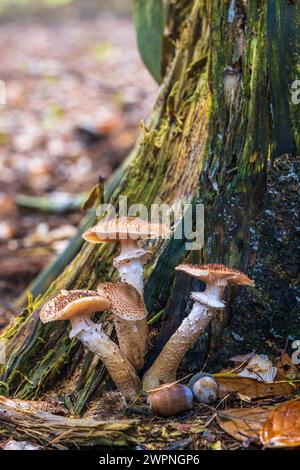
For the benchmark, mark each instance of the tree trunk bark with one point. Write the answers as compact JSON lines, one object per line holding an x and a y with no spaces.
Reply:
{"x":224,"y":132}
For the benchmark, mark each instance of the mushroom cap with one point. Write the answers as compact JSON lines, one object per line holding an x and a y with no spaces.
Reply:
{"x":68,"y":304}
{"x":124,"y":228}
{"x":126,"y":258}
{"x":216,"y":274}
{"x":125,"y":301}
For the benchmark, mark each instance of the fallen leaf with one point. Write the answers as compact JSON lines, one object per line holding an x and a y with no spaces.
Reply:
{"x":95,"y":195}
{"x":252,"y":388}
{"x":259,"y":368}
{"x":197,"y":429}
{"x":164,"y":433}
{"x":7,"y":205}
{"x":45,"y":236}
{"x":215,"y":446}
{"x":102,"y":50}
{"x":286,"y":369}
{"x":243,"y":423}
{"x":175,"y":434}
{"x":282,"y":426}
{"x":242,"y":359}
{"x":7,"y":230}
{"x":244,"y":398}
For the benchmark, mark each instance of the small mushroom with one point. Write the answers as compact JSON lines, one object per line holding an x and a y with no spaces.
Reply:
{"x":130,"y":319}
{"x":204,"y":388}
{"x":216,"y":277}
{"x":78,"y":306}
{"x":127,"y":231}
{"x":170,"y":399}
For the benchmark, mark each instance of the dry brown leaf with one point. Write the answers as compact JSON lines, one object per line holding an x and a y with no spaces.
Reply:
{"x":242,"y":358}
{"x":7,"y":205}
{"x":286,"y":369}
{"x":282,"y":427}
{"x":259,"y":368}
{"x":109,"y":124}
{"x":243,"y":423}
{"x":252,"y":388}
{"x":7,"y":230}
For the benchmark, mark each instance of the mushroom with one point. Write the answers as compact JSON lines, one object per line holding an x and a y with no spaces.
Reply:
{"x":127,"y":231}
{"x":78,"y":306}
{"x":130,"y":319}
{"x":216,"y":277}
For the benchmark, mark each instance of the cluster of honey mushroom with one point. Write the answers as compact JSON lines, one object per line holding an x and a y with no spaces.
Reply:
{"x":124,"y":299}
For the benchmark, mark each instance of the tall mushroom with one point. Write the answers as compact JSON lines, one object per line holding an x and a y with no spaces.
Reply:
{"x":130,"y":319}
{"x":216,"y":277}
{"x":78,"y":306}
{"x":127,"y":231}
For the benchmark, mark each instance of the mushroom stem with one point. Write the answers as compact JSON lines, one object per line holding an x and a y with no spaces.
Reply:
{"x":80,"y":323}
{"x":127,"y":245}
{"x":119,"y":368}
{"x":214,"y":291}
{"x":131,"y":271}
{"x":133,"y":336}
{"x":133,"y":340}
{"x":165,"y":366}
{"x":211,"y":297}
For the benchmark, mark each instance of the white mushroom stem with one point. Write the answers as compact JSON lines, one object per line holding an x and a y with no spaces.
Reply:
{"x":80,"y":323}
{"x":212,"y":296}
{"x":131,"y":271}
{"x":165,"y":366}
{"x":127,"y":246}
{"x":119,"y":368}
{"x":133,"y":336}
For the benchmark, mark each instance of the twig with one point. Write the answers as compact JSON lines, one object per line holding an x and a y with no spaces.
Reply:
{"x":138,"y":411}
{"x":181,"y":444}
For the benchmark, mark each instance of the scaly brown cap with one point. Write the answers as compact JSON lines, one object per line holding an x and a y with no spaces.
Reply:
{"x":67,"y":304}
{"x":124,"y":228}
{"x":214,"y":273}
{"x":124,"y":299}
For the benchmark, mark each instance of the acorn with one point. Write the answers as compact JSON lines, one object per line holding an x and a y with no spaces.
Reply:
{"x":204,"y":388}
{"x":170,"y":399}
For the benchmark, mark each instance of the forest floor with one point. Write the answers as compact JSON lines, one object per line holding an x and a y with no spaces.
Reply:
{"x":76,"y":90}
{"x":232,"y":422}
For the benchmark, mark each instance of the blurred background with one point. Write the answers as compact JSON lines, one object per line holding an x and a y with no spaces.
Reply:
{"x":76,"y":90}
